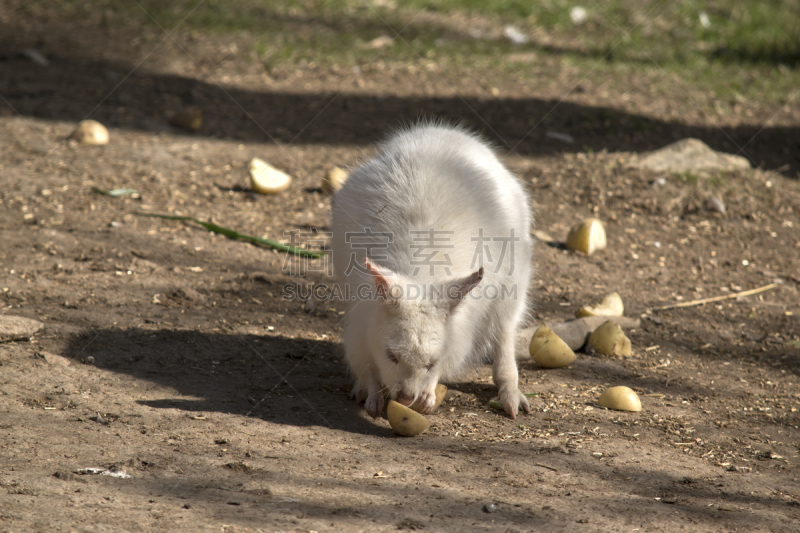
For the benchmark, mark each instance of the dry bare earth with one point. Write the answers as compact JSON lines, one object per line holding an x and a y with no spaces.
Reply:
{"x":227,"y":405}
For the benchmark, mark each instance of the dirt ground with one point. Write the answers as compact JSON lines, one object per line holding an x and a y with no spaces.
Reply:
{"x":182,"y":366}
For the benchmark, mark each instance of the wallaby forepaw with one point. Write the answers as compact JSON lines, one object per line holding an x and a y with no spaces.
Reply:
{"x":425,"y":402}
{"x":359,"y":394}
{"x":374,"y":404}
{"x":513,"y":401}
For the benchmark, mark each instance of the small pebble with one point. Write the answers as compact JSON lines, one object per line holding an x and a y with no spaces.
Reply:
{"x":712,"y":203}
{"x":577,"y":15}
{"x":380,"y":42}
{"x":514,"y":35}
{"x":563,"y":137}
{"x":489,"y":507}
{"x":35,"y":56}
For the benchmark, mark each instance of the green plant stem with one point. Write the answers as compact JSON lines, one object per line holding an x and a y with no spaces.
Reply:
{"x":233,"y":234}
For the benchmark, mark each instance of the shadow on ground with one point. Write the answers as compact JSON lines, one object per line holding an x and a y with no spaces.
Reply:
{"x":287,"y":381}
{"x":74,"y":87}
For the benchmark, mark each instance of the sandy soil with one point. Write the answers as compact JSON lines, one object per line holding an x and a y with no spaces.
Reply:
{"x":170,"y":355}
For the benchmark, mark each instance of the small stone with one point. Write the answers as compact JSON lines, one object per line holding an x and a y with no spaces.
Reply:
{"x":34,"y":56}
{"x":380,"y":42}
{"x":90,"y":132}
{"x":489,"y":507}
{"x":713,"y":203}
{"x":563,"y":137}
{"x":514,"y":35}
{"x":578,"y":15}
{"x":17,"y":328}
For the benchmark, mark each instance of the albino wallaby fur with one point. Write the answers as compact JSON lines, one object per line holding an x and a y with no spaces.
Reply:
{"x":431,"y":242}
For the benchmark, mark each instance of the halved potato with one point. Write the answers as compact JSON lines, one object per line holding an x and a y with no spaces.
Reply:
{"x":441,"y":390}
{"x":620,"y":398}
{"x":548,"y":350}
{"x":587,"y":237}
{"x":334,"y":180}
{"x":609,"y":339}
{"x":266,"y":179}
{"x":611,"y":305}
{"x":405,"y":421}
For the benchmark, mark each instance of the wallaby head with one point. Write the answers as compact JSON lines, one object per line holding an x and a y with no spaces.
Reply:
{"x":413,"y":320}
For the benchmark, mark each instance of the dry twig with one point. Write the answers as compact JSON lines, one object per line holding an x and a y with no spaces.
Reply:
{"x":717,"y":298}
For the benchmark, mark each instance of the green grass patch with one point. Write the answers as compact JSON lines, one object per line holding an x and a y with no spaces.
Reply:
{"x":738,"y":48}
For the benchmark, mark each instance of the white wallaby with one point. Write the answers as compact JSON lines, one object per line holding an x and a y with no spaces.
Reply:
{"x":431,"y":244}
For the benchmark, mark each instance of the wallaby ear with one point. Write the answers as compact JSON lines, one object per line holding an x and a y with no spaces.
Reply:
{"x":458,"y":289}
{"x":383,"y":279}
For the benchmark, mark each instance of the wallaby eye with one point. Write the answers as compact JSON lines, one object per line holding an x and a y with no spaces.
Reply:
{"x":430,"y":366}
{"x":392,"y":357}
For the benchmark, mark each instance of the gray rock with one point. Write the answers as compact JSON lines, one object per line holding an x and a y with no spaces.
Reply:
{"x":17,"y":328}
{"x":689,"y":155}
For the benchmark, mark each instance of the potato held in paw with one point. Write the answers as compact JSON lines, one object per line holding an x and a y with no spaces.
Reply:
{"x":621,"y":399}
{"x":609,"y":339}
{"x":404,"y":421}
{"x":587,"y":237}
{"x":266,"y":179}
{"x":441,"y":390}
{"x":611,"y":305}
{"x":549,"y":351}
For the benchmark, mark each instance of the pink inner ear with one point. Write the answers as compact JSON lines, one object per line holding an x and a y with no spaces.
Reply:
{"x":381,"y":283}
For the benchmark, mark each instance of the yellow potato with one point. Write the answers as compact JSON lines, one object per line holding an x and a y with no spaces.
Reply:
{"x":621,"y":399}
{"x":441,"y":390}
{"x":334,"y":180}
{"x":587,"y":237}
{"x":90,"y":132}
{"x":548,"y":350}
{"x":266,"y":179}
{"x":404,"y":421}
{"x":609,"y":339}
{"x":611,"y":305}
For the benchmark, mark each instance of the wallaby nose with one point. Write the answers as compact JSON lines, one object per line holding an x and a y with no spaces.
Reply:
{"x":403,"y":398}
